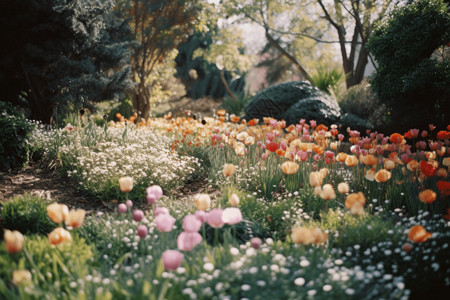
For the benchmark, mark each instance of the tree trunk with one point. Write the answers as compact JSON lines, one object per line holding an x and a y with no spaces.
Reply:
{"x":141,"y":100}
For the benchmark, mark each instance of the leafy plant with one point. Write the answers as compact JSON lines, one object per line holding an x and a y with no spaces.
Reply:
{"x":327,"y":80}
{"x":14,"y":131}
{"x":27,"y":214}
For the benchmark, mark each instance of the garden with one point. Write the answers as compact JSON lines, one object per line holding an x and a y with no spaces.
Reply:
{"x":325,"y":185}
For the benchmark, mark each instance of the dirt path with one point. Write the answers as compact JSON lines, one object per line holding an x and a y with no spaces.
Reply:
{"x":49,"y":185}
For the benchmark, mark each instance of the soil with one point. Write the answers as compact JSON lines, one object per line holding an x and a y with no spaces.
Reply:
{"x":55,"y":188}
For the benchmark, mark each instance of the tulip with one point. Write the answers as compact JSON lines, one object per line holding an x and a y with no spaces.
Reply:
{"x":315,"y":179}
{"x":191,"y":223}
{"x":289,"y":167}
{"x":355,"y":198}
{"x":57,"y":212}
{"x":418,"y":234}
{"x":327,"y":192}
{"x":59,"y":235}
{"x":233,"y":200}
{"x":228,"y":170}
{"x":302,"y":235}
{"x":351,"y":161}
{"x":427,"y":196}
{"x":138,"y":215}
{"x":161,"y":210}
{"x":215,"y":218}
{"x":164,"y":222}
{"x":412,"y":165}
{"x":13,"y":241}
{"x":142,"y":231}
{"x":172,"y":259}
{"x":21,"y":276}
{"x":126,"y":184}
{"x":383,"y":175}
{"x":341,"y":157}
{"x":76,"y":218}
{"x":154,"y":192}
{"x":129,"y":203}
{"x":186,"y":241}
{"x":202,"y":201}
{"x":231,"y":215}
{"x":343,"y":187}
{"x":389,"y":164}
{"x":357,"y":209}
{"x":256,"y":242}
{"x":122,"y":207}
{"x":201,"y":215}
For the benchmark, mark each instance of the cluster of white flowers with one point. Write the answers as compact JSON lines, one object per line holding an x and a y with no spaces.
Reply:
{"x":97,"y":163}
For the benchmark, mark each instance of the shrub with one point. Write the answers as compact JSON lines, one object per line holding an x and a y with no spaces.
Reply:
{"x":14,"y":131}
{"x":413,"y":84}
{"x":27,"y":214}
{"x":361,"y":101}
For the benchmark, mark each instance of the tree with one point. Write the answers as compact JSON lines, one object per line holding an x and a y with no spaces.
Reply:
{"x":61,"y":51}
{"x":410,"y":80}
{"x":158,"y":27}
{"x":305,"y":26}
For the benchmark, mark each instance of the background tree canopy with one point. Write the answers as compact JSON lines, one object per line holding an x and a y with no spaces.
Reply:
{"x":414,"y":83}
{"x":57,"y":51}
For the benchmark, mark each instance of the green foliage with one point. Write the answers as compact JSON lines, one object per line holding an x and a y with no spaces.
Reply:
{"x":327,"y":80}
{"x":27,"y":214}
{"x":361,"y":101}
{"x":236,"y":107}
{"x":62,"y":51}
{"x":14,"y":131}
{"x":293,"y":101}
{"x":412,"y":83}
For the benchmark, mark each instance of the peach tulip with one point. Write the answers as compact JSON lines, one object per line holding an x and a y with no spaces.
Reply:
{"x":383,"y":175}
{"x":202,"y":201}
{"x":351,"y":161}
{"x":290,"y":167}
{"x":13,"y":241}
{"x":355,"y":198}
{"x":126,"y":184}
{"x":327,"y":192}
{"x":228,"y":170}
{"x":315,"y":179}
{"x":427,"y":196}
{"x":59,"y":235}
{"x":21,"y":276}
{"x":343,"y":187}
{"x":233,"y":200}
{"x":75,"y":218}
{"x":57,"y":212}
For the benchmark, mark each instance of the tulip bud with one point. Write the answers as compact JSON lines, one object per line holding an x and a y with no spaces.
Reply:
{"x":233,"y":200}
{"x":57,"y":212}
{"x":126,"y":184}
{"x":202,"y":201}
{"x":59,"y":235}
{"x":76,"y":218}
{"x":228,"y":170}
{"x":13,"y":241}
{"x":21,"y":276}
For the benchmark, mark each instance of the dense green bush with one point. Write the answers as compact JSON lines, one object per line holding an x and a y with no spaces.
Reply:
{"x":361,"y":101}
{"x":14,"y":130}
{"x":27,"y":214}
{"x":409,"y":80}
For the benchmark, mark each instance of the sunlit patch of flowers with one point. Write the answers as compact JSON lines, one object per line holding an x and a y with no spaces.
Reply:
{"x":96,"y":159}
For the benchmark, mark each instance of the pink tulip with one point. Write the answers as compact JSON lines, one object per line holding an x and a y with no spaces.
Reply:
{"x":313,"y":123}
{"x":302,"y":121}
{"x":172,"y":259}
{"x":404,"y":158}
{"x":142,"y":231}
{"x":231,"y":215}
{"x":283,"y":145}
{"x":122,"y":208}
{"x":154,"y":192}
{"x":186,"y":241}
{"x":256,"y":242}
{"x":161,"y":210}
{"x":414,"y":133}
{"x":129,"y":203}
{"x":164,"y":222}
{"x":191,"y":223}
{"x":138,"y":215}
{"x":303,"y":155}
{"x":201,"y":215}
{"x":424,"y":134}
{"x":215,"y":218}
{"x":341,"y":137}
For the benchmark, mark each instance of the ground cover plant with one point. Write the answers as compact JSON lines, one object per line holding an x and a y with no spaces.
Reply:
{"x":304,"y":211}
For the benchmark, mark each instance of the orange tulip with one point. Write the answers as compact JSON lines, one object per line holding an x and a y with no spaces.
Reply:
{"x":412,"y":165}
{"x":369,"y":160}
{"x":355,"y":198}
{"x":59,"y":235}
{"x":383,"y":175}
{"x":76,"y":218}
{"x":427,"y":196}
{"x":13,"y":241}
{"x":396,"y":138}
{"x":290,"y":167}
{"x":341,"y":157}
{"x":418,"y":234}
{"x":351,"y":161}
